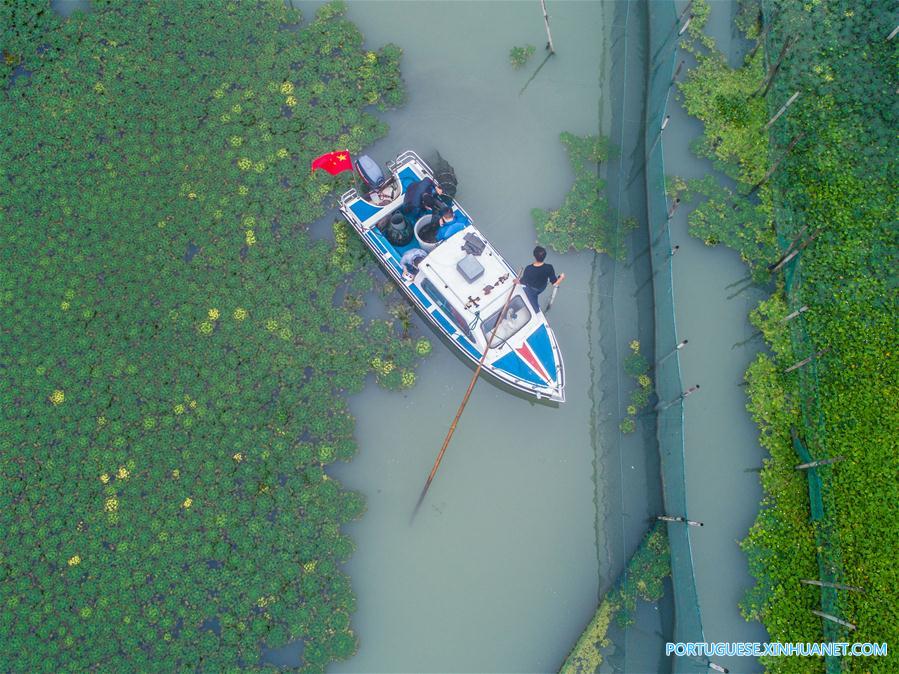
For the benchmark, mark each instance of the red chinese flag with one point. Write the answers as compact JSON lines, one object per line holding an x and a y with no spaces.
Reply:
{"x":333,"y":162}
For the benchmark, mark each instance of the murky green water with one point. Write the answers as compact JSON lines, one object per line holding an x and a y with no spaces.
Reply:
{"x":499,"y":571}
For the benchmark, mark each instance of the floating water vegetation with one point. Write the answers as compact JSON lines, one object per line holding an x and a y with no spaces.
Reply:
{"x":176,"y":355}
{"x":642,"y":579}
{"x":636,"y":365}
{"x":826,"y":226}
{"x":519,"y":56}
{"x":583,"y":221}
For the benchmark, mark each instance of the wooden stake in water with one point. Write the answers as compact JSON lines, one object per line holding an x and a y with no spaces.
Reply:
{"x":549,"y":37}
{"x":474,"y":379}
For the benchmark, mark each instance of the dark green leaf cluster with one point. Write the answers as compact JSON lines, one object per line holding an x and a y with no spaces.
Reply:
{"x":840,"y":183}
{"x":583,"y":221}
{"x":176,"y":348}
{"x":25,"y":26}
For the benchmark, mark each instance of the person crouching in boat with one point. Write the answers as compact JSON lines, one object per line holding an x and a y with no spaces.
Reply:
{"x":536,"y":275}
{"x":421,"y":196}
{"x":410,"y":261}
{"x":450,"y":222}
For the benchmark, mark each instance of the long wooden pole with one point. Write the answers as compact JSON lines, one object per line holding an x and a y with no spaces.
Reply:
{"x":549,"y":37}
{"x":474,"y":379}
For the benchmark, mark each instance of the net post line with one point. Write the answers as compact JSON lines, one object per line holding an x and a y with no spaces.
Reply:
{"x":664,"y":22}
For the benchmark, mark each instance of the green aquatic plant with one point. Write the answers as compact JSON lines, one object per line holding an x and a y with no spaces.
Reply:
{"x":827,"y":196}
{"x":519,"y":56}
{"x":642,"y":579}
{"x":636,"y":365}
{"x":180,"y":359}
{"x":583,"y":221}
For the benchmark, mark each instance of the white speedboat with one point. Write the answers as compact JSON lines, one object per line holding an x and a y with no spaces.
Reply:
{"x":459,"y":284}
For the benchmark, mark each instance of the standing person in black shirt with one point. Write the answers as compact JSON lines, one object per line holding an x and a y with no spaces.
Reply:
{"x":536,"y":275}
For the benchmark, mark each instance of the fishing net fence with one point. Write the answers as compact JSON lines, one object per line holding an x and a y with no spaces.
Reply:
{"x":663,"y":28}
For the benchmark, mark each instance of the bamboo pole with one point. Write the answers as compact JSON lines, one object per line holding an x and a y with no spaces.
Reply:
{"x":769,"y":80}
{"x":806,"y":361}
{"x":837,"y":586}
{"x":474,"y":379}
{"x":682,"y":520}
{"x":759,"y":40}
{"x":782,"y":110}
{"x":775,"y":266}
{"x":833,"y":619}
{"x":819,"y":462}
{"x":771,"y":170}
{"x":549,"y":37}
{"x":791,"y":316}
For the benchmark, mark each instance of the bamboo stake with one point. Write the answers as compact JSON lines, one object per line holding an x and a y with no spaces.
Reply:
{"x":796,"y":252}
{"x":806,"y":361}
{"x":769,"y":80}
{"x":474,"y":379}
{"x":821,"y":583}
{"x":684,"y":13}
{"x":760,"y":40}
{"x":819,"y":462}
{"x":833,"y":619}
{"x":682,"y":520}
{"x":549,"y":37}
{"x":791,"y":316}
{"x":782,"y":110}
{"x":777,"y":265}
{"x":771,"y":170}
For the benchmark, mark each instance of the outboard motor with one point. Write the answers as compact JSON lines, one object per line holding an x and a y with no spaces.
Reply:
{"x":371,"y":173}
{"x":398,"y":231}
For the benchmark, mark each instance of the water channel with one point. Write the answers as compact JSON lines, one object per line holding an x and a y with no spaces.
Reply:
{"x":502,"y":569}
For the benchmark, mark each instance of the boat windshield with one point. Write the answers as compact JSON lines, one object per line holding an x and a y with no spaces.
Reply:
{"x":517,"y":316}
{"x":448,"y":308}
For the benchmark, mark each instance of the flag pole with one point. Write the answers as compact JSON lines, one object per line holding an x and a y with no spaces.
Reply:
{"x":353,"y":171}
{"x":474,"y":379}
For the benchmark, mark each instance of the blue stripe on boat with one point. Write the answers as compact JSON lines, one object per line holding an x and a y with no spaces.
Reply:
{"x":407,"y":177}
{"x":539,"y":343}
{"x":468,"y":346}
{"x":363,"y":209}
{"x":425,"y":302}
{"x":514,"y":365}
{"x":375,"y":240}
{"x":443,"y":322}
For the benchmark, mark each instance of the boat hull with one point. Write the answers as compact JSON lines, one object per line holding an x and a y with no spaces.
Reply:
{"x":529,"y":361}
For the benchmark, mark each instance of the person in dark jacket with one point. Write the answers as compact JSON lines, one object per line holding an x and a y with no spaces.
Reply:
{"x":537,"y":275}
{"x":421,"y":195}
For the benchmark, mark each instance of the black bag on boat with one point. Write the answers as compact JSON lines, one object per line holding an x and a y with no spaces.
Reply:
{"x":473,"y":245}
